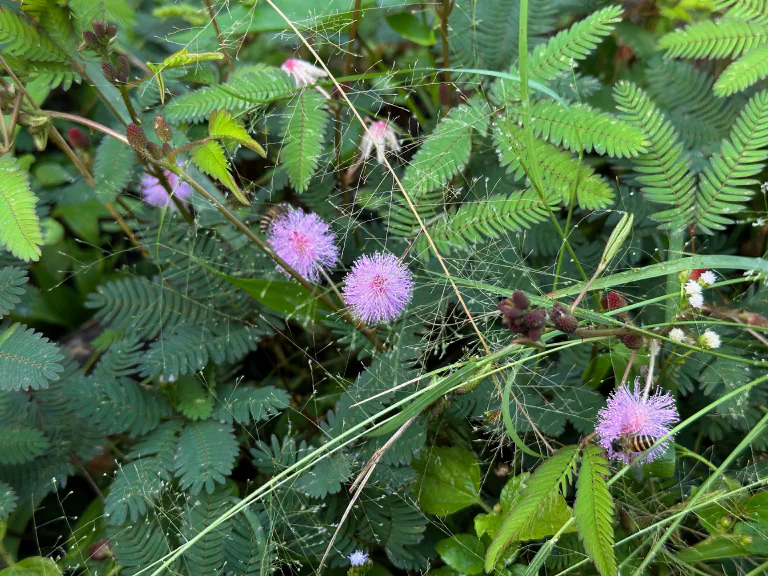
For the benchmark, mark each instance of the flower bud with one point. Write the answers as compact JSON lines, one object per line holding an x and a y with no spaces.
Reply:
{"x":90,"y":40}
{"x":632,"y":341}
{"x":155,"y":151}
{"x":534,"y":334}
{"x":613,"y":301}
{"x":110,"y":72}
{"x":100,"y":550}
{"x":520,"y":300}
{"x":566,"y":323}
{"x":100,"y":28}
{"x":78,"y":140}
{"x":534,"y":320}
{"x":136,"y":137}
{"x":164,"y":132}
{"x":726,"y":521}
{"x":167,"y":149}
{"x":123,"y":69}
{"x":695,"y":274}
{"x":111,"y":30}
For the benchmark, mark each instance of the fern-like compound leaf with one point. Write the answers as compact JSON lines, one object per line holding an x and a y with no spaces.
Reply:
{"x":584,"y":128}
{"x":113,"y":168}
{"x":141,"y":307}
{"x":193,"y":398}
{"x":136,"y":488}
{"x":475,"y":222}
{"x":243,"y":404}
{"x":399,"y":526}
{"x":754,"y":10}
{"x":21,"y":38}
{"x":209,"y":158}
{"x":206,"y":454}
{"x":222,"y":126}
{"x":665,"y":175}
{"x":116,"y":405}
{"x":593,"y":511}
{"x":727,"y":182}
{"x":139,"y":545}
{"x":549,"y":480}
{"x":576,"y":43}
{"x":8,"y":500}
{"x":561,"y":173}
{"x":27,"y":359}
{"x":744,"y":72}
{"x":247,"y":551}
{"x":306,"y":119}
{"x":714,"y":39}
{"x":242,"y":91}
{"x":20,"y":229}
{"x":11,"y":281}
{"x":206,"y":556}
{"x":21,"y":444}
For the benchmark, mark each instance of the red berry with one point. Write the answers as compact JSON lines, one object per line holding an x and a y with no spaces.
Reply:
{"x":78,"y":140}
{"x":613,"y":301}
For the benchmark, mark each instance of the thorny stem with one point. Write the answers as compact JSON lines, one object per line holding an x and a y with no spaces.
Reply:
{"x":369,"y":333}
{"x":415,"y":212}
{"x":219,"y":37}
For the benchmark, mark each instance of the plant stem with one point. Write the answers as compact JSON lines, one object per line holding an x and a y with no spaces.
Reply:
{"x":129,"y":105}
{"x":219,"y":38}
{"x":352,"y":37}
{"x":444,"y":12}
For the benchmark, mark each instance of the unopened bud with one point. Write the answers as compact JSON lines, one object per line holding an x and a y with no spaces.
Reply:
{"x":99,"y":28}
{"x":155,"y":151}
{"x":521,"y":300}
{"x":566,"y":323}
{"x":167,"y":149}
{"x":110,"y":72}
{"x":111,"y":30}
{"x":78,"y":140}
{"x":90,"y":40}
{"x":632,"y":341}
{"x":136,"y":137}
{"x":613,"y":301}
{"x":726,"y":521}
{"x":534,"y":334}
{"x":163,"y":131}
{"x":100,"y":550}
{"x":535,"y":319}
{"x":123,"y":69}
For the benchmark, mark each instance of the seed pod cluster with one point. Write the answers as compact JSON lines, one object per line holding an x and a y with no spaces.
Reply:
{"x":563,"y":319}
{"x":517,"y":316}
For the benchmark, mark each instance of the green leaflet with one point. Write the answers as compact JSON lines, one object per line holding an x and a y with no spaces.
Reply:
{"x":206,"y":454}
{"x":549,"y":480}
{"x":210,"y":159}
{"x":27,"y":359}
{"x":304,"y":126}
{"x":20,"y":229}
{"x":593,"y":510}
{"x":12,"y":280}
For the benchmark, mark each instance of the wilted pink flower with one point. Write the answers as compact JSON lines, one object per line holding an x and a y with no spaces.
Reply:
{"x":155,"y":194}
{"x":378,"y":287}
{"x":629,"y":414}
{"x":383,"y":134}
{"x":304,"y":241}
{"x":303,"y":72}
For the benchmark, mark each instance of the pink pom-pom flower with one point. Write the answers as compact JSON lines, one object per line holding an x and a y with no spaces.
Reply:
{"x":629,"y":414}
{"x":305,"y":242}
{"x":378,"y":288}
{"x":303,"y":72}
{"x":155,"y":193}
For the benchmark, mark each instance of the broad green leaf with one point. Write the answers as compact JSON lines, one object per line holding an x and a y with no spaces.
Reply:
{"x":412,"y":28}
{"x":223,"y":126}
{"x":594,"y":511}
{"x":537,"y":499}
{"x":209,"y":158}
{"x":20,"y":230}
{"x":449,"y":480}
{"x":34,"y":566}
{"x":462,"y":552}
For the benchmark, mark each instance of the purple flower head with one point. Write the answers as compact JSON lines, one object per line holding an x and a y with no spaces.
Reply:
{"x":378,"y":287}
{"x":305,"y":242}
{"x":358,"y":558}
{"x":155,"y":194}
{"x":627,"y":414}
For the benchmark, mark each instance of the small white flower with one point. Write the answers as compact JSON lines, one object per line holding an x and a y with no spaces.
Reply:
{"x":678,"y":335}
{"x":384,"y":135}
{"x":709,"y":340}
{"x":696,"y":300}
{"x":358,"y":558}
{"x":707,"y":278}
{"x":303,"y":72}
{"x":692,"y":287}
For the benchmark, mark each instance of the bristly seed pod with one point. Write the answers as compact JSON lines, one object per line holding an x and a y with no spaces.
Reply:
{"x":632,"y":341}
{"x":110,"y":72}
{"x":91,"y":41}
{"x":78,"y":140}
{"x":613,"y":301}
{"x":535,"y":319}
{"x":155,"y":151}
{"x":136,"y":137}
{"x":123,"y":69}
{"x":163,"y":131}
{"x":534,"y":334}
{"x":100,"y":28}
